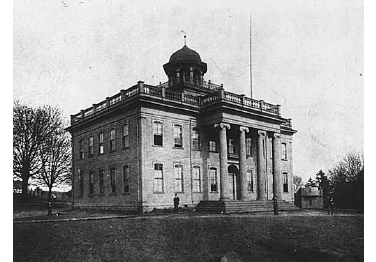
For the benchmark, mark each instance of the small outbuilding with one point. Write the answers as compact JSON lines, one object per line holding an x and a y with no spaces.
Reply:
{"x":310,"y":198}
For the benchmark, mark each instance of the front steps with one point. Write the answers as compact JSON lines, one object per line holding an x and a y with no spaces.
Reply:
{"x":237,"y":206}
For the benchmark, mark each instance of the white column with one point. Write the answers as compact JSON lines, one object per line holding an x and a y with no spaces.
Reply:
{"x":277,"y":165}
{"x":242,"y":163}
{"x":224,"y":192}
{"x":261,"y":174}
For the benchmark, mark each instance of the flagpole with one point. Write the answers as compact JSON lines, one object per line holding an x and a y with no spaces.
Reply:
{"x":250,"y":54}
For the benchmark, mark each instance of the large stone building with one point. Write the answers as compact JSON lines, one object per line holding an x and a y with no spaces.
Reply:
{"x":138,"y":148}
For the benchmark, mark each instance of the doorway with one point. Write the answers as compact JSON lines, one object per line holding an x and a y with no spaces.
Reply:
{"x":234,"y":184}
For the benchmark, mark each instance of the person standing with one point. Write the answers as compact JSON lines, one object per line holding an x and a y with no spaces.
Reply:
{"x":331,"y":206}
{"x":275,"y":205}
{"x":176,"y":203}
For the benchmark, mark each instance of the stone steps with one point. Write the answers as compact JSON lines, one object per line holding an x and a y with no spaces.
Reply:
{"x":234,"y":206}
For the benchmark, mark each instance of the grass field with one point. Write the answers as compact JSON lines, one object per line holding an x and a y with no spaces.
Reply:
{"x":193,"y":238}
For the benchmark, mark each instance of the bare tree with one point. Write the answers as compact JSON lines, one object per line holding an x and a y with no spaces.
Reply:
{"x":55,"y":157}
{"x":31,"y":127}
{"x":297,"y":181}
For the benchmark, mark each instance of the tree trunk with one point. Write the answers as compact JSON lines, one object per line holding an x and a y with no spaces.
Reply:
{"x":49,"y":201}
{"x":25,"y":181}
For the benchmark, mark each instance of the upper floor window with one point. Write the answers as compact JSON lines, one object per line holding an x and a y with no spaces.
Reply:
{"x":284,"y":151}
{"x":285,"y":182}
{"x":126,"y":178}
{"x":178,"y":136}
{"x":178,"y":170}
{"x":231,"y":146}
{"x":125,"y":135}
{"x":113,"y":180}
{"x":158,"y":133}
{"x":158,"y":177}
{"x":213,"y":179}
{"x":91,"y":183}
{"x":82,"y":153}
{"x":91,"y":146}
{"x":212,"y":146}
{"x":112,"y":139}
{"x":196,"y":175}
{"x":195,"y":140}
{"x":248,"y":146}
{"x":101,"y":182}
{"x":101,"y":144}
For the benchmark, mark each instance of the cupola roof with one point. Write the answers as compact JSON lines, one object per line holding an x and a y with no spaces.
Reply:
{"x":185,"y":54}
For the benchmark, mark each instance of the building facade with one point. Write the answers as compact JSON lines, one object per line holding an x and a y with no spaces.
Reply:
{"x":138,"y":148}
{"x":309,"y":198}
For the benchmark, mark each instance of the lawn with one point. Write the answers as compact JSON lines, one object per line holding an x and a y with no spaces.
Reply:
{"x":193,"y":238}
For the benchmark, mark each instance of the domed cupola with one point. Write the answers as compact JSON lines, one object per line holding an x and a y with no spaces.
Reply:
{"x":185,"y":54}
{"x":185,"y":66}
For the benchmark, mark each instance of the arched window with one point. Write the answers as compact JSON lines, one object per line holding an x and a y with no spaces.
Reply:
{"x":196,"y":76}
{"x":184,"y":74}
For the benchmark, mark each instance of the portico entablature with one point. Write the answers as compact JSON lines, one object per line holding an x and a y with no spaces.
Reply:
{"x":246,"y":122}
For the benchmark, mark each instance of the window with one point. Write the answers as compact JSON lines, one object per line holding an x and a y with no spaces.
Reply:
{"x":125,"y":136}
{"x":250,"y":180}
{"x":112,"y":139}
{"x":285,"y":182}
{"x":158,"y":178}
{"x":284,"y":151}
{"x":213,"y":179}
{"x":101,"y":182}
{"x":248,"y":146}
{"x":81,"y":179}
{"x":126,"y":178}
{"x":178,"y":138}
{"x":91,"y":183}
{"x":113,"y":180}
{"x":231,"y":146}
{"x":195,"y":140}
{"x":196,"y":174}
{"x":101,"y":146}
{"x":212,"y":146}
{"x":91,"y":146}
{"x":178,"y":171}
{"x":158,"y":133}
{"x":82,"y":153}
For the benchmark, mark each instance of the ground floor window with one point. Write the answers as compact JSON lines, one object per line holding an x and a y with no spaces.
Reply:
{"x":213,"y":179}
{"x":113,"y":180}
{"x":126,"y":178}
{"x":196,"y":174}
{"x":91,"y":183}
{"x":81,"y":179}
{"x":158,"y":177}
{"x":250,"y":180}
{"x":285,"y":182}
{"x":101,"y":182}
{"x":178,"y":171}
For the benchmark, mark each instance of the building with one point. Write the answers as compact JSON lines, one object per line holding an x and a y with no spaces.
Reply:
{"x":309,"y":198}
{"x":138,"y":148}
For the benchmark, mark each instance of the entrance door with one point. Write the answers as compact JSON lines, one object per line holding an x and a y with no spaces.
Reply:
{"x":233,"y":181}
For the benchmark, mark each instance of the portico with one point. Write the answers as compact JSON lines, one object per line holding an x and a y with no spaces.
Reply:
{"x":263,"y":153}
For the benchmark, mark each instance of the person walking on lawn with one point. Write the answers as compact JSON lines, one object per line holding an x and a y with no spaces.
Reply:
{"x":176,"y":203}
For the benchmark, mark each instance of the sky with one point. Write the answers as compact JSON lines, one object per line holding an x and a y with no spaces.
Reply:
{"x":307,"y":56}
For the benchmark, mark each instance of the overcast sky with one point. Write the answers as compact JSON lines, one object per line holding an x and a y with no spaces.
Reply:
{"x":307,"y":56}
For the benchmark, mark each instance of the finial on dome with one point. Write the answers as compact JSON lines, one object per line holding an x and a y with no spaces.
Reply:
{"x":185,"y":40}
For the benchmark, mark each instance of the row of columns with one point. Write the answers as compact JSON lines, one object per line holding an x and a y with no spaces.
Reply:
{"x":261,"y":158}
